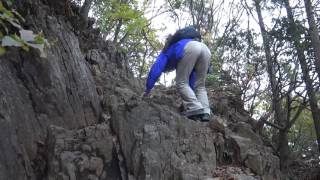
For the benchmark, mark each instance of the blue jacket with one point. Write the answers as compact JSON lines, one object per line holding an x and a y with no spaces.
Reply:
{"x":167,"y":61}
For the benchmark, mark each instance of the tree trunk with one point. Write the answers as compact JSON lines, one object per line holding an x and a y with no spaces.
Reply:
{"x":117,"y":31}
{"x":143,"y":63}
{"x":276,"y":102}
{"x":314,"y":33}
{"x":85,"y":10}
{"x":284,"y":150}
{"x":305,"y":72}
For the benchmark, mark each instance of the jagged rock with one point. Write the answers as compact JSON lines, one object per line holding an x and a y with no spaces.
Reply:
{"x":255,"y":156}
{"x":231,"y":172}
{"x":242,"y":145}
{"x":96,"y":164}
{"x":36,"y":92}
{"x":245,"y":130}
{"x":68,"y":158}
{"x":218,"y":124}
{"x":159,"y":144}
{"x":148,"y":125}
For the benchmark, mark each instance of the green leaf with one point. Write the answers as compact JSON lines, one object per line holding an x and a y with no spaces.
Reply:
{"x":9,"y":14}
{"x":17,"y":25}
{"x":40,"y":47}
{"x":18,"y":15}
{"x":9,"y":17}
{"x":9,"y":41}
{"x":39,"y":39}
{"x":2,"y":50}
{"x":36,"y":46}
{"x":2,"y":7}
{"x":4,"y":26}
{"x":25,"y":47}
{"x":9,"y":2}
{"x":27,"y":35}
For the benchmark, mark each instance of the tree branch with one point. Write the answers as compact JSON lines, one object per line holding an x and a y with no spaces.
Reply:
{"x":84,"y":12}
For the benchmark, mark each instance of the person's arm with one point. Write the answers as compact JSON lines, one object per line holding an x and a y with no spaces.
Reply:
{"x":156,"y":71}
{"x":192,"y":80}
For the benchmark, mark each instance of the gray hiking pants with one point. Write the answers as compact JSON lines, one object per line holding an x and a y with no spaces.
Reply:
{"x":196,"y":56}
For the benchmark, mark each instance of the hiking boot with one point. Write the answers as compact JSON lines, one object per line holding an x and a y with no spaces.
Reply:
{"x":196,"y":117}
{"x":190,"y":113}
{"x":205,"y":117}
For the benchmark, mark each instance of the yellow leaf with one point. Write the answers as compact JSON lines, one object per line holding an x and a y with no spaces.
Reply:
{"x":1,"y":7}
{"x":25,"y":47}
{"x":2,"y":50}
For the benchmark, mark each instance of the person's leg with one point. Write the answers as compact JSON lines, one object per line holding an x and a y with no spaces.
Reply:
{"x":201,"y":68}
{"x":185,"y":66}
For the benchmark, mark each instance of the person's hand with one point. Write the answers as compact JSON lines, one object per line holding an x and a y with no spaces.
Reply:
{"x":145,"y":95}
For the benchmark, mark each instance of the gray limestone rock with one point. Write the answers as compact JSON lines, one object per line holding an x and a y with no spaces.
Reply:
{"x":159,"y":144}
{"x":68,"y":158}
{"x":36,"y":92}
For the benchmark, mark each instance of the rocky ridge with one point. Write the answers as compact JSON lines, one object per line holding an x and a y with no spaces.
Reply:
{"x":78,"y":115}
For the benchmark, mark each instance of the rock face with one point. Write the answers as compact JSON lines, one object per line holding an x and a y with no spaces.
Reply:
{"x":83,"y":154}
{"x":35,"y":93}
{"x":78,"y":115}
{"x":161,"y":145}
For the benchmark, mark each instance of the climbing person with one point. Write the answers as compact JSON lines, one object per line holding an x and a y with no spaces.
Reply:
{"x":185,"y":53}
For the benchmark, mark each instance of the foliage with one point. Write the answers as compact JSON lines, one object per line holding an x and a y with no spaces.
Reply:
{"x":216,"y":27}
{"x":124,"y":23}
{"x":213,"y":80}
{"x":10,"y":21}
{"x":302,"y":136}
{"x":290,"y":71}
